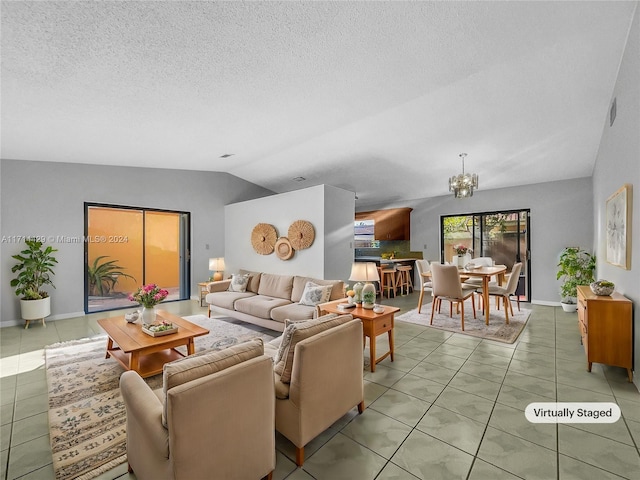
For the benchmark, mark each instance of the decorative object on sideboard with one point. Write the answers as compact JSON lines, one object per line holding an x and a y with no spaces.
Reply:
{"x":462,"y":185}
{"x":602,"y":287}
{"x":301,"y":234}
{"x":132,"y":317}
{"x":263,"y":238}
{"x":283,"y":248}
{"x":618,"y":227}
{"x":216,"y":266}
{"x":365,"y":272}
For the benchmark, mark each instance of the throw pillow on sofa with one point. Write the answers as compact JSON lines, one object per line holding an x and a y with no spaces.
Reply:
{"x":298,"y":331}
{"x":239,"y":283}
{"x":315,"y":294}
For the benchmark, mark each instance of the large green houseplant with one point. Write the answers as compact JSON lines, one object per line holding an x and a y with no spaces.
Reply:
{"x":34,"y":269}
{"x":575,"y":267}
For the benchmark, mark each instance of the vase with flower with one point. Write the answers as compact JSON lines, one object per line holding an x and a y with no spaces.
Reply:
{"x":463,"y":255}
{"x":149,"y":296}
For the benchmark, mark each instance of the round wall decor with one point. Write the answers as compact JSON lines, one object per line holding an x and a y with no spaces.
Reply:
{"x":301,"y":234}
{"x":283,"y":248}
{"x":263,"y":238}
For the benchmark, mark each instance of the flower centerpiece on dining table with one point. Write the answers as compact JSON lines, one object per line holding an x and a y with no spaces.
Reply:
{"x":463,"y":255}
{"x":149,"y":296}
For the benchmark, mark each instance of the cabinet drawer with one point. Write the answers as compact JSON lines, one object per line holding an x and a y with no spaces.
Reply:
{"x":382,"y":326}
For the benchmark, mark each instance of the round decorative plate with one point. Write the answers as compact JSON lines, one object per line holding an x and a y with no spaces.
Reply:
{"x":263,"y":238}
{"x":283,"y":248}
{"x":301,"y":234}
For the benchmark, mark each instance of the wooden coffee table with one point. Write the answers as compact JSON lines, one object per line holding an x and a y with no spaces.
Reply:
{"x":135,"y":350}
{"x":373,"y":324}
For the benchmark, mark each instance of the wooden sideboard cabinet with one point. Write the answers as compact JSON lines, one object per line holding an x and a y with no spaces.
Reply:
{"x":606,"y":328}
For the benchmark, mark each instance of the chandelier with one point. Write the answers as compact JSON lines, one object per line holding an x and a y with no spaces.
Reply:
{"x":462,"y":185}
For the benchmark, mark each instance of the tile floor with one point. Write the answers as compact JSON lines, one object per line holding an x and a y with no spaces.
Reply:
{"x":448,"y":407}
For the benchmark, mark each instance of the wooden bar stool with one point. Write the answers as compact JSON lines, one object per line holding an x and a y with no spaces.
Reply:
{"x":404,"y":281}
{"x":387,"y":280}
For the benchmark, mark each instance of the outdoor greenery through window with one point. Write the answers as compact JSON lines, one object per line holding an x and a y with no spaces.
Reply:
{"x":503,"y":236}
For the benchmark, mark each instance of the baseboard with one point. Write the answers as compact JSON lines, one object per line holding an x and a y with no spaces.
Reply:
{"x":543,"y":302}
{"x":50,"y":318}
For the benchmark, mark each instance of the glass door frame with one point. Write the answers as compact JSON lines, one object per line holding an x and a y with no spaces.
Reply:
{"x":524,"y":257}
{"x":184,"y":250}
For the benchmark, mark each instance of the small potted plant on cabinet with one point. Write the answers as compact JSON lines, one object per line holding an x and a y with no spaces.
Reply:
{"x":576,"y":267}
{"x":34,"y":269}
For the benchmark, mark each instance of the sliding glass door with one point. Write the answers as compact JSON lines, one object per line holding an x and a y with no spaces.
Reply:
{"x":126,"y":247}
{"x":504,"y":236}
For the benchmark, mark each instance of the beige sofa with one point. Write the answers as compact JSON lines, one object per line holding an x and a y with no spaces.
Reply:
{"x":269,"y":299}
{"x":320,"y":378}
{"x":206,"y":421}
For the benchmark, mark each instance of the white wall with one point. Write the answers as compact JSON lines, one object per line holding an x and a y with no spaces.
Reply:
{"x":47,"y":198}
{"x":330,"y":211}
{"x":560,"y":217}
{"x":618,"y":162}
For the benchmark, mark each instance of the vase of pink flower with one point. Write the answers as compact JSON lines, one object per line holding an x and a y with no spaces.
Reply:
{"x":149,"y":296}
{"x":463,"y":255}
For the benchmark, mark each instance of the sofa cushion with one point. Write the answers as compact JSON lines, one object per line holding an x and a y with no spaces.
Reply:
{"x":259,"y":305}
{"x":298,"y":331}
{"x":254,"y":280}
{"x":300,"y":282}
{"x":226,"y":299}
{"x":206,"y":363}
{"x":278,"y":286}
{"x":315,"y":294}
{"x":293,"y":310}
{"x":239,"y":283}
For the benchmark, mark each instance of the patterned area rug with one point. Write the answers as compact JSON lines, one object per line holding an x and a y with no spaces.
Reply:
{"x":496,"y":330}
{"x":87,"y":417}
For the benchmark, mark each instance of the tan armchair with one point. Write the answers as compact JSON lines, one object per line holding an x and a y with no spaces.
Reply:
{"x":213,"y":418}
{"x":326,"y":382}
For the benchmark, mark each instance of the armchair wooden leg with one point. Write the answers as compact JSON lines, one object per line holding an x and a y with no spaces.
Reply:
{"x":269,"y":476}
{"x":299,"y":456}
{"x":129,"y":469}
{"x":361,"y":407}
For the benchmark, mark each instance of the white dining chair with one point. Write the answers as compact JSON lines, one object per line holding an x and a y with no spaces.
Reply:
{"x":506,"y":291}
{"x":447,"y":286}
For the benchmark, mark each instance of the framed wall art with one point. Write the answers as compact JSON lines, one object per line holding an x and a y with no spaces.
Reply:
{"x":618,"y":218}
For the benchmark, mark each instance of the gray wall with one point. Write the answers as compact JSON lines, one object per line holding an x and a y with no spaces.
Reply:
{"x":618,"y":163}
{"x":560,"y":217}
{"x":330,"y":256}
{"x":46,"y":198}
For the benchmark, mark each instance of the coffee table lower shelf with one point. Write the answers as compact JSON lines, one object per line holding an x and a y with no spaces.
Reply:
{"x":148,"y":364}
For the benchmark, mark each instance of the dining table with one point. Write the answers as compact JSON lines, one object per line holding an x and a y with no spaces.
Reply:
{"x":485,"y":273}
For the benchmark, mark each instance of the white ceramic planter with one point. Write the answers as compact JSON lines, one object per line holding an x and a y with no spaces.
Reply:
{"x":569,"y":307}
{"x":35,"y":309}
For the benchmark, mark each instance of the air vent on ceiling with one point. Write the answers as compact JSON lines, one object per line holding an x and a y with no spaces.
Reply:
{"x":299,"y":179}
{"x":226,"y":155}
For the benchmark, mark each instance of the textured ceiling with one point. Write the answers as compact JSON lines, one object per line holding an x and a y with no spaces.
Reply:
{"x":374,"y":97}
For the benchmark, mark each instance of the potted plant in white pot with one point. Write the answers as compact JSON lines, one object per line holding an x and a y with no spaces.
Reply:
{"x":34,"y":269}
{"x":576,"y":267}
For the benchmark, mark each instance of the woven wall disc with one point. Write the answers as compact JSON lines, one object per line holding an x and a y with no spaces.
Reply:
{"x":301,"y":234}
{"x":283,"y":248}
{"x":263,"y":238}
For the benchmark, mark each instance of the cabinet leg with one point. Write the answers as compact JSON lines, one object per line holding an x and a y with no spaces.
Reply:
{"x":589,"y":367}
{"x":630,"y":375}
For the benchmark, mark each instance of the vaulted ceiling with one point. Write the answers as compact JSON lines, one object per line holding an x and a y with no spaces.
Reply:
{"x":374,"y":97}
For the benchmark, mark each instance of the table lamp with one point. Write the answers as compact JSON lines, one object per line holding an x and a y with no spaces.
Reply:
{"x":216,"y":265}
{"x":364,"y":272}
